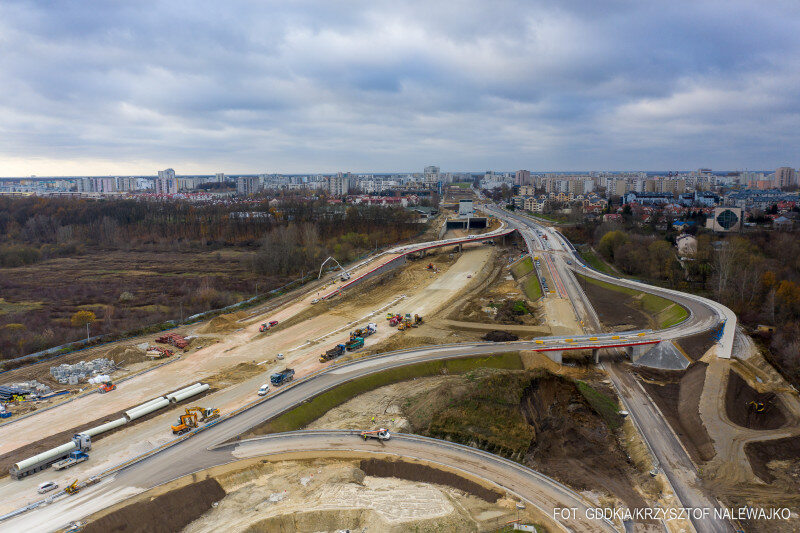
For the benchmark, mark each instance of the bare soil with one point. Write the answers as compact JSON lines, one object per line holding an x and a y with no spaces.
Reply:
{"x":761,"y":453}
{"x":677,"y":394}
{"x":427,"y":474}
{"x":695,"y":346}
{"x":751,"y":409}
{"x":165,"y":513}
{"x":615,"y":310}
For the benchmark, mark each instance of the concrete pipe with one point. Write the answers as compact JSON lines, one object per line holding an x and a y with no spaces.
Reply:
{"x":108,"y":426}
{"x":191,"y":392}
{"x":58,"y":451}
{"x":133,"y":414}
{"x":171,"y":396}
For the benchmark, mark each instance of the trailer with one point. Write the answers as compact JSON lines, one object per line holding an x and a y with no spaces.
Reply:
{"x":355,"y":344}
{"x":81,"y":442}
{"x":72,"y":459}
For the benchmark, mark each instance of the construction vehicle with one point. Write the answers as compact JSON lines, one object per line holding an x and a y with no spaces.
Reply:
{"x":72,"y":459}
{"x":345,"y":276}
{"x":396,"y":319}
{"x":80,"y":442}
{"x":284,"y":376}
{"x":333,"y":353}
{"x":389,"y":316}
{"x":157,"y":352}
{"x":402,"y":326}
{"x":431,"y":267}
{"x":106,"y":387}
{"x":417,"y":321}
{"x":759,"y":406}
{"x":193,"y":417}
{"x":72,"y":488}
{"x":268,"y":325}
{"x":380,"y":434}
{"x":355,"y":344}
{"x":364,"y":332}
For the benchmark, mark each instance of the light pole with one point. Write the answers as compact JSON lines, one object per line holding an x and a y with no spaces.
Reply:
{"x":87,"y":331}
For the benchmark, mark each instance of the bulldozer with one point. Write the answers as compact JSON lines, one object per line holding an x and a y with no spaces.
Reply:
{"x":193,"y":417}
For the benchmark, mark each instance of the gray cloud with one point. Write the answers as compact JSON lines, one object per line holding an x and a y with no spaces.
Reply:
{"x":313,"y":86}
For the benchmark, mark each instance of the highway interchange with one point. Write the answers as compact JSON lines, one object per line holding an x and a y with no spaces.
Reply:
{"x":202,"y":450}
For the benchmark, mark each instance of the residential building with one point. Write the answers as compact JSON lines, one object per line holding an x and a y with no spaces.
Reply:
{"x":247,"y":185}
{"x":166,"y":182}
{"x":431,"y":174}
{"x":522,"y":177}
{"x":785,"y":177}
{"x":338,"y":185}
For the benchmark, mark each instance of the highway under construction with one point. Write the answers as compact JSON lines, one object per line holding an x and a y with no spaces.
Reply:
{"x":304,"y":330}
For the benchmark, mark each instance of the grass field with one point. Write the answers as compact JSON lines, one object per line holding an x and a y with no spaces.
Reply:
{"x":304,"y":414}
{"x":596,"y":263}
{"x":665,"y":312}
{"x":462,"y":184}
{"x":533,"y":289}
{"x":522,"y":268}
{"x":602,"y":404}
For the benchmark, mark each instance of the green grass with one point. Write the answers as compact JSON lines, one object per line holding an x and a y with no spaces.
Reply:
{"x":522,"y":268}
{"x":603,"y":405}
{"x":462,"y":184}
{"x":594,"y":261}
{"x":673,"y":315}
{"x":551,"y":218}
{"x":533,"y":289}
{"x":307,"y":412}
{"x":7,"y":307}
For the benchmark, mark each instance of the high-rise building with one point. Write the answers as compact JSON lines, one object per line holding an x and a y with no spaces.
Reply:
{"x":338,"y":185}
{"x":785,"y":177}
{"x":522,"y":177}
{"x":219,"y":177}
{"x":431,"y":174}
{"x":247,"y":185}
{"x":166,"y":182}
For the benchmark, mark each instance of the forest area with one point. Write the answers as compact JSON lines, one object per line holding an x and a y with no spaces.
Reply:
{"x":128,"y":264}
{"x":756,"y":274}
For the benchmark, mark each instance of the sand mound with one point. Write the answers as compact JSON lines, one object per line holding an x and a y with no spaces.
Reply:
{"x":126,"y":354}
{"x":221,"y":324}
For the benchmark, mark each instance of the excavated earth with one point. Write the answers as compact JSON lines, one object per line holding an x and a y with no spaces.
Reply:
{"x":752,"y":409}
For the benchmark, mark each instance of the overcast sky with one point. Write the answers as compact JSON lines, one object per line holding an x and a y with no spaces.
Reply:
{"x":307,"y":86}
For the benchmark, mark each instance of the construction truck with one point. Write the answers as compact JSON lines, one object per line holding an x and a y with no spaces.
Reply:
{"x":72,"y":459}
{"x":355,"y":344}
{"x":284,"y":376}
{"x":106,"y":387}
{"x":364,"y":332}
{"x":396,"y":319}
{"x":267,"y":325}
{"x":380,"y":434}
{"x":333,"y":353}
{"x":417,"y":320}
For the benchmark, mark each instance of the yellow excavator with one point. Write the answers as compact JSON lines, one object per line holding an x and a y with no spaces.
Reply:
{"x":759,"y":406}
{"x":193,"y":416}
{"x":73,"y":488}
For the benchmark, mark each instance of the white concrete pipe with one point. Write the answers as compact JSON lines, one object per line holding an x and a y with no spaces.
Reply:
{"x":191,"y":392}
{"x":108,"y":426}
{"x":49,"y":454}
{"x":171,"y":396}
{"x":139,"y":412}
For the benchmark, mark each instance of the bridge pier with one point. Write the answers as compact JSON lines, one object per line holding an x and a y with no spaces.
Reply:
{"x":555,"y":356}
{"x":596,"y":355}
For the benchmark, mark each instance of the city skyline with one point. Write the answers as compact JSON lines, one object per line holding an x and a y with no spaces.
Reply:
{"x":311,"y":88}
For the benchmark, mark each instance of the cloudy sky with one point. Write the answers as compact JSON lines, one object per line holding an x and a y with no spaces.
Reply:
{"x":312,"y":86}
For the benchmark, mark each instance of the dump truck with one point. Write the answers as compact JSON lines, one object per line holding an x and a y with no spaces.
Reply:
{"x":380,"y":434}
{"x":333,"y":353}
{"x":284,"y":376}
{"x":355,"y":344}
{"x":72,"y":459}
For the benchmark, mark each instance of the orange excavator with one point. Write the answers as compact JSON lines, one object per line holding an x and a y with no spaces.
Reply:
{"x":193,"y":417}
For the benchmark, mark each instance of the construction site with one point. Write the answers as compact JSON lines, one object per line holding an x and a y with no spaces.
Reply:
{"x":566,"y":419}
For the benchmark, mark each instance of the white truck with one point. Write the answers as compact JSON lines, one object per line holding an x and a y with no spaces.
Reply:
{"x":72,"y":459}
{"x":380,"y":434}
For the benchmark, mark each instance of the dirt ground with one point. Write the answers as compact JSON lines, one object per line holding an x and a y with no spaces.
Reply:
{"x":677,"y":394}
{"x":695,"y":346}
{"x":336,"y":494}
{"x":614,"y":309}
{"x":751,"y":409}
{"x":571,"y":442}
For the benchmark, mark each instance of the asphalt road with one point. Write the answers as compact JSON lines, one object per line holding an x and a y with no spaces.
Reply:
{"x":664,"y":444}
{"x":198,"y":452}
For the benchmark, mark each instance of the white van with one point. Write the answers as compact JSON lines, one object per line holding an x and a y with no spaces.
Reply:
{"x":263,"y":390}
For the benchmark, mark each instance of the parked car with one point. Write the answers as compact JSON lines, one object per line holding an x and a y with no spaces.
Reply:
{"x":47,"y":486}
{"x":263,"y":390}
{"x":279,"y":357}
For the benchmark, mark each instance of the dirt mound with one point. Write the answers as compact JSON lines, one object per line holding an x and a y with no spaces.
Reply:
{"x":500,"y":336}
{"x":427,"y":474}
{"x":165,"y":513}
{"x":126,"y":354}
{"x":221,"y":324}
{"x":233,"y":374}
{"x":751,"y":409}
{"x":760,"y":453}
{"x":677,"y":395}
